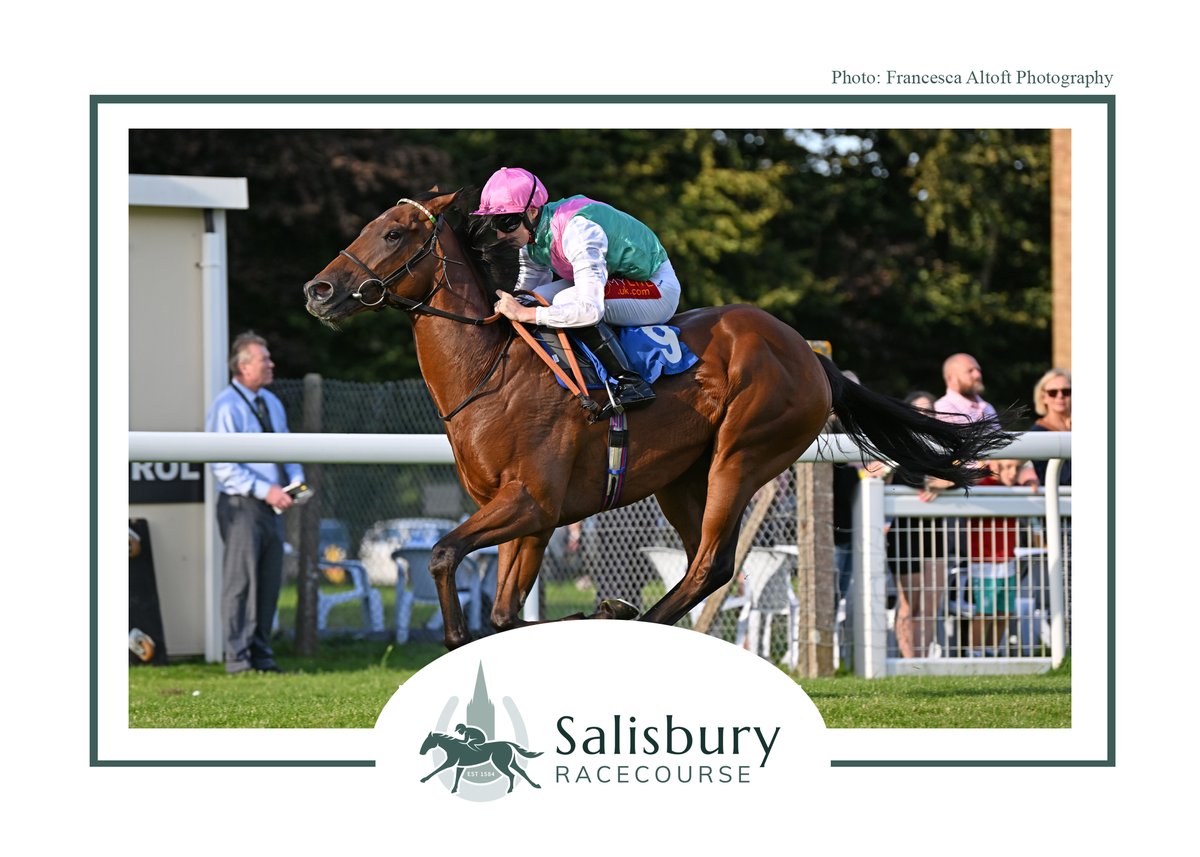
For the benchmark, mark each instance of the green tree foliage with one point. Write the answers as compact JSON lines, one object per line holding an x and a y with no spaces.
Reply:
{"x":898,"y":246}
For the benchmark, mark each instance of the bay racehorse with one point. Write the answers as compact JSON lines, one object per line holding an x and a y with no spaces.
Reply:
{"x":755,"y":400}
{"x":502,"y":755}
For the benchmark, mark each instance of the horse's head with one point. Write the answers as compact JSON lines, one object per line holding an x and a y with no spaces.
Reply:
{"x":430,"y":743}
{"x":395,"y":257}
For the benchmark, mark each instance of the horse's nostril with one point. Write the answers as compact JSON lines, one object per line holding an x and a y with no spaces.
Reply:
{"x":319,"y":290}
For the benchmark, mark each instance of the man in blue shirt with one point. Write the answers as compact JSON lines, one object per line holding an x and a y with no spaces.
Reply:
{"x":250,"y":501}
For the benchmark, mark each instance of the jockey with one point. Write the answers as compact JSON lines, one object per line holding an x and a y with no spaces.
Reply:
{"x":471,"y":736}
{"x":595,"y":266}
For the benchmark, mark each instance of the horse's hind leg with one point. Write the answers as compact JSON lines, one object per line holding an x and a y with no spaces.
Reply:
{"x":746,"y":455}
{"x":682,"y":504}
{"x":521,"y":771}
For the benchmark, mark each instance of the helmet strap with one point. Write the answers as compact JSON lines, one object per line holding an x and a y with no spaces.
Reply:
{"x":528,"y":225}
{"x":529,"y":202}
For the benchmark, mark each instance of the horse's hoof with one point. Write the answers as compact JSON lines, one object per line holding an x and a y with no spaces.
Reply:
{"x":615,"y":608}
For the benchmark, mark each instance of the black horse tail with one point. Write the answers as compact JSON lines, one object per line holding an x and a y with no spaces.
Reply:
{"x":528,"y":754}
{"x":916,"y":441}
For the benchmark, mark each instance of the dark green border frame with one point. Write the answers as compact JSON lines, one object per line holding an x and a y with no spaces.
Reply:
{"x":1108,"y":100}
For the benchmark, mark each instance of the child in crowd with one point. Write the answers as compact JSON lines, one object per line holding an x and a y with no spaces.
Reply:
{"x":992,"y":568}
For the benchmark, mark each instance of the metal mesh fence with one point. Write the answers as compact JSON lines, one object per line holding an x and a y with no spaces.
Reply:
{"x":355,"y":498}
{"x":362,"y":507}
{"x":368,"y":510}
{"x":972,"y":587}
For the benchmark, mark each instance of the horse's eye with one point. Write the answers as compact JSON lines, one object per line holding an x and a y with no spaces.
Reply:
{"x":393,"y":236}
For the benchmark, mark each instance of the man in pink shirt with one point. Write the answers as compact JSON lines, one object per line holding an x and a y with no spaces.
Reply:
{"x":964,"y":384}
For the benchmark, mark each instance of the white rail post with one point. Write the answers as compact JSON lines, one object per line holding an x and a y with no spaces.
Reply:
{"x":870,"y":582}
{"x":531,"y":611}
{"x":1054,"y":558}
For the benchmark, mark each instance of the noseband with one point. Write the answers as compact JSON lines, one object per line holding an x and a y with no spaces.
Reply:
{"x":433,"y":246}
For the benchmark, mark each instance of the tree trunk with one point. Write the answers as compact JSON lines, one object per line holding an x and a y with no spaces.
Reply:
{"x":307,"y":576}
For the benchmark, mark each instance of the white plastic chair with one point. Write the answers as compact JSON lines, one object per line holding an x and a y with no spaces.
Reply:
{"x":372,"y":602}
{"x":414,"y":584}
{"x":671,"y":564}
{"x":767,"y":582}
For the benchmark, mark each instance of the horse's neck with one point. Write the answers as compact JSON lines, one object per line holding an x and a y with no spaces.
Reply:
{"x":455,"y":356}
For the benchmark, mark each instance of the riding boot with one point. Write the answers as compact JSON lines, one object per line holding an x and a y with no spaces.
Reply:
{"x":631,"y":389}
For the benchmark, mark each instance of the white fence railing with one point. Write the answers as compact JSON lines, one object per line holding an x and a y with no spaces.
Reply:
{"x":435,"y":448}
{"x":1034,"y":574}
{"x":875,"y":505}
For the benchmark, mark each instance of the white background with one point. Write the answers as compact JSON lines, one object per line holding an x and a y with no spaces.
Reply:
{"x":53,"y":62}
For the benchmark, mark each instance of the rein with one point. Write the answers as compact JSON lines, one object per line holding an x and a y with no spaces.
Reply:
{"x":432,"y":246}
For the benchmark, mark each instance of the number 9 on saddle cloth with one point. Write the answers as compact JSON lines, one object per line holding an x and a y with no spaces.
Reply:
{"x":652,"y":351}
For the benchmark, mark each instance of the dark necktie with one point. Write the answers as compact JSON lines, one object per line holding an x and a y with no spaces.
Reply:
{"x":264,"y":417}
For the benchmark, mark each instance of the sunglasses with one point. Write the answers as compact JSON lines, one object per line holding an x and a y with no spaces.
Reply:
{"x":1054,"y":394}
{"x":508,"y":223}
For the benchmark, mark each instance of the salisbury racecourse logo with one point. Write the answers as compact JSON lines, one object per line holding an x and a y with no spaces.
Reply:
{"x":474,"y":762}
{"x":475,"y":754}
{"x":453,"y":733}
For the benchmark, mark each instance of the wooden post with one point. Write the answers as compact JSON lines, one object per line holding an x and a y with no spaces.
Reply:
{"x":307,"y":641}
{"x":1060,"y":245}
{"x":814,"y":567}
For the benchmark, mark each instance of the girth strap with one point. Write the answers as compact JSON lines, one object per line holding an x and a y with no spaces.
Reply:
{"x":578,"y":386}
{"x":618,"y":431}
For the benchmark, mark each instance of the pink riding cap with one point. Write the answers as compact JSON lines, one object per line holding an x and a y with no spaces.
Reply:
{"x":511,"y":190}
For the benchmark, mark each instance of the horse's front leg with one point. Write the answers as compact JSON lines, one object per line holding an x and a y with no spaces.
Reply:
{"x":449,"y":763}
{"x":517,"y":568}
{"x":513,"y":513}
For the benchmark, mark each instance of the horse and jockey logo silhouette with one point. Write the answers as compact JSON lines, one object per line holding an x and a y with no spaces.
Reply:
{"x":470,"y":749}
{"x":474,"y":750}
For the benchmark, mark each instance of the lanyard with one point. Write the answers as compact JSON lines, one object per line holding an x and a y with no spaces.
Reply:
{"x":254,"y":410}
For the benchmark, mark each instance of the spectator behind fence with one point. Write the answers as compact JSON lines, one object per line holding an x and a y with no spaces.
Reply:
{"x":963,"y":401}
{"x":912,"y":554}
{"x":1052,"y":401}
{"x":250,"y":499}
{"x":991,"y":564}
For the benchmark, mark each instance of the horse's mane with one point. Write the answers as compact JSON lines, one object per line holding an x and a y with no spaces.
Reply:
{"x":497,"y":261}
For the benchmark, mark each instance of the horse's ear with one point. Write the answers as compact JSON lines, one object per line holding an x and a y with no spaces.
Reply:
{"x":434,"y":190}
{"x":453,"y":205}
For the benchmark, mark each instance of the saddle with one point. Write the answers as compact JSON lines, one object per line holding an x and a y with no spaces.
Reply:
{"x":549,"y":339}
{"x":622,"y":362}
{"x":630,"y":357}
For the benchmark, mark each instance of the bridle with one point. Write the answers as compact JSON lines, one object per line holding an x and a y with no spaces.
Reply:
{"x":432,"y":246}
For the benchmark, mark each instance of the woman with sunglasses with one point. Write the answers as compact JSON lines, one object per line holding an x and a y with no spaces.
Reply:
{"x":1052,"y":401}
{"x":593,"y":264}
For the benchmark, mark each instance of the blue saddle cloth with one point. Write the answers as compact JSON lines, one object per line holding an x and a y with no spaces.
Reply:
{"x":653,"y":351}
